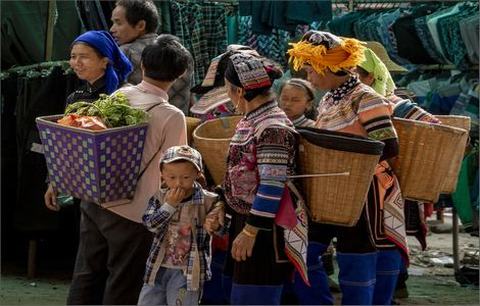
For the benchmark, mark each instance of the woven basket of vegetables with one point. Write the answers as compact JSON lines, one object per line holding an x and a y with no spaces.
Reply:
{"x":93,"y":151}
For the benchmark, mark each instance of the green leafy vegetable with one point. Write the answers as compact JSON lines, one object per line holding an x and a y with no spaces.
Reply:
{"x":115,"y":110}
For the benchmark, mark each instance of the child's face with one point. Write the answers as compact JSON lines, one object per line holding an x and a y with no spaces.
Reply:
{"x":294,"y":101}
{"x":179,"y":175}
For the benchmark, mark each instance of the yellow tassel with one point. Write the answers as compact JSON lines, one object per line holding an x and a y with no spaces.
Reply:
{"x":348,"y":54}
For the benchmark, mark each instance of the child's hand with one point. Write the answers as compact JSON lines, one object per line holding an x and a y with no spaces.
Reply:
{"x":214,"y":219}
{"x":174,"y":196}
{"x":211,"y":224}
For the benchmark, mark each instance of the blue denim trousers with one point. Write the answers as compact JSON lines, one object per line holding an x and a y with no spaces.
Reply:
{"x":170,"y":288}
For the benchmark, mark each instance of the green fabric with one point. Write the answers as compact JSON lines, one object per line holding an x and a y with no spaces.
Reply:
{"x":24,"y":26}
{"x":165,"y":18}
{"x":450,"y":37}
{"x":343,"y":25}
{"x":284,"y":15}
{"x":383,"y":83}
{"x":22,"y":42}
{"x":461,"y":196}
{"x":278,"y":16}
{"x":36,"y":70}
{"x":232,"y":30}
{"x":306,"y":12}
{"x":260,"y":11}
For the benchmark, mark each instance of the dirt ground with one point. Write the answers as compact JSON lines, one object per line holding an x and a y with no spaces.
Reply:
{"x":431,"y":278}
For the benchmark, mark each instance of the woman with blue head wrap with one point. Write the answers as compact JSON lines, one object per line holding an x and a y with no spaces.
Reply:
{"x":96,"y":58}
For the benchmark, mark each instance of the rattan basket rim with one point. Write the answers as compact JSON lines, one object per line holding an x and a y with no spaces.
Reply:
{"x":198,"y":128}
{"x":430,"y":125}
{"x":51,"y":121}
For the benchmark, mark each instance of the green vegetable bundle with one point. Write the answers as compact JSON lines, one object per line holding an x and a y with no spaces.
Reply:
{"x":114,"y":110}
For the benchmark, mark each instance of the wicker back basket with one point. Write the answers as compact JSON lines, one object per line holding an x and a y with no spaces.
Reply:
{"x":462,"y":122}
{"x":336,"y":199}
{"x":192,"y":124}
{"x":95,"y":166}
{"x":425,"y":158}
{"x":212,"y":140}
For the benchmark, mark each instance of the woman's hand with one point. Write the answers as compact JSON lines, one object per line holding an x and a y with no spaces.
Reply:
{"x":50,"y":198}
{"x":215,"y":219}
{"x":242,"y":246}
{"x":175,"y":196}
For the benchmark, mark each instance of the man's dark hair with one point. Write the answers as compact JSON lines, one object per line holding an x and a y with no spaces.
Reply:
{"x":165,"y":59}
{"x":137,"y":10}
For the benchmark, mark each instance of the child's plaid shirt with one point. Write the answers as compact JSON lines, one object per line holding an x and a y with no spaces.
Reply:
{"x":157,"y":218}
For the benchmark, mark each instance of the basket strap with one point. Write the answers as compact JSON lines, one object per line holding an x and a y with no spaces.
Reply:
{"x":153,"y":157}
{"x":269,"y":124}
{"x":151,"y":107}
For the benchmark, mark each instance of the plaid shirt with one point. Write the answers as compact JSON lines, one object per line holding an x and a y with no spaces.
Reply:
{"x":157,"y":219}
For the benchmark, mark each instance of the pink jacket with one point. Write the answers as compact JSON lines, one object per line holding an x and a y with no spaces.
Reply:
{"x":167,"y":127}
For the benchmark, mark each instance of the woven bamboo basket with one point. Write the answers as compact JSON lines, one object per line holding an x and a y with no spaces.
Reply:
{"x":212,"y":140}
{"x":462,"y":122}
{"x":337,"y":200}
{"x":95,"y":166}
{"x":426,"y":152}
{"x":192,"y":124}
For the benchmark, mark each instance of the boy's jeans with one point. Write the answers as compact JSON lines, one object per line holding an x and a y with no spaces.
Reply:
{"x":170,"y":289}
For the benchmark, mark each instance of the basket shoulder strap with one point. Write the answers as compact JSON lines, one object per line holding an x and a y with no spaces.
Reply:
{"x":155,"y":154}
{"x":153,"y":106}
{"x":272,"y":123}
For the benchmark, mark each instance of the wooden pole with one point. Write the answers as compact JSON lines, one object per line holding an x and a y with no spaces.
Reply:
{"x":32,"y":258}
{"x":456,"y":257}
{"x":52,"y":8}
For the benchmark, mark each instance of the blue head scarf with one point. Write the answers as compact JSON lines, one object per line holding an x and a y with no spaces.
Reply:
{"x":119,"y":66}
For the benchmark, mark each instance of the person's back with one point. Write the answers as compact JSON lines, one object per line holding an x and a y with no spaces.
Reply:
{"x":167,"y":123}
{"x":134,"y":27}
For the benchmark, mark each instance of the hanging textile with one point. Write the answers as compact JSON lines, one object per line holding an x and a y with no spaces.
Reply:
{"x":165,"y":22}
{"x":441,"y":34}
{"x":202,"y":28}
{"x":24,"y":27}
{"x":469,"y":29}
{"x":273,"y":46}
{"x":37,"y":94}
{"x":95,"y":14}
{"x":284,"y":15}
{"x":406,"y":36}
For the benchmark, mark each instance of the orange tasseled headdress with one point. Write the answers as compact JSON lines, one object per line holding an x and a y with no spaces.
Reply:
{"x":324,"y":50}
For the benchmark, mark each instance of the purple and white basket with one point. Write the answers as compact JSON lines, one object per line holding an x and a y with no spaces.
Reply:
{"x":95,"y":166}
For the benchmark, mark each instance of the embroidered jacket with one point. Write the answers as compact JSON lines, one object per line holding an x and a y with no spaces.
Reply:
{"x":405,"y":108}
{"x":303,"y":121}
{"x":158,"y":217}
{"x":261,"y":156}
{"x":357,"y":109}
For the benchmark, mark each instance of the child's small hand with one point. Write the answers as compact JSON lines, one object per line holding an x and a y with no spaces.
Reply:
{"x":174,"y":196}
{"x":214,"y":219}
{"x":211,"y":224}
